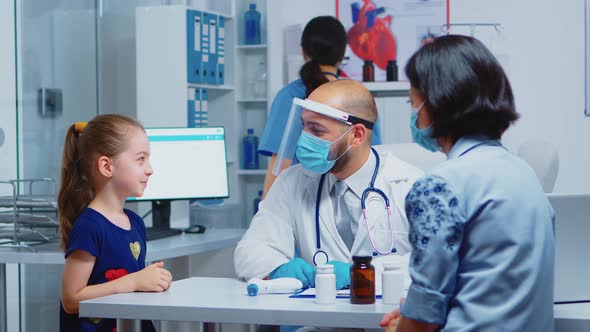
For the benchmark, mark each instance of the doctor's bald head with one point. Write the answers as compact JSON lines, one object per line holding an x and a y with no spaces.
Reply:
{"x":348,"y":96}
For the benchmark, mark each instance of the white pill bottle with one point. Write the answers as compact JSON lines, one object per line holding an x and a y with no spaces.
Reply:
{"x":325,"y":284}
{"x":392,"y":284}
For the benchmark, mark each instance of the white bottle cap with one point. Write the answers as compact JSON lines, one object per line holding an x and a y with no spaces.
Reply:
{"x":325,"y":269}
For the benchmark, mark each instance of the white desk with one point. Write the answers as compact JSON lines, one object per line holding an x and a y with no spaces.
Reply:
{"x":170,"y":247}
{"x":165,"y":248}
{"x":225,"y":300}
{"x":572,"y":317}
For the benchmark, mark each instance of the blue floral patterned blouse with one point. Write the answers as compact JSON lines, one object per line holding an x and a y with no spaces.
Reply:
{"x":481,"y":231}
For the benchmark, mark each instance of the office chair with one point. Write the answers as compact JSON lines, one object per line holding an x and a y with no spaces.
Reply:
{"x":543,"y":158}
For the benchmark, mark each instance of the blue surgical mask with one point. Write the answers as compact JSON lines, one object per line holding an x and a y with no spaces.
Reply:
{"x":313,"y":152}
{"x":422,"y":137}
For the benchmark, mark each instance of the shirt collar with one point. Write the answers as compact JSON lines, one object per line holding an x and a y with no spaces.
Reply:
{"x":464,"y":144}
{"x":359,"y":181}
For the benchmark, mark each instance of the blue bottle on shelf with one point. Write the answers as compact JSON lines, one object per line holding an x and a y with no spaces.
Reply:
{"x":257,"y":201}
{"x":252,"y":19}
{"x":250,"y":146}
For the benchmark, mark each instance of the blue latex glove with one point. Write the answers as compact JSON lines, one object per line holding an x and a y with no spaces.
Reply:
{"x":296,"y":268}
{"x":342,"y":272}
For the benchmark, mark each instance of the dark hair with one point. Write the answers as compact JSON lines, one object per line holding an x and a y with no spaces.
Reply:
{"x":105,"y":135}
{"x":464,"y":87}
{"x":324,"y":41}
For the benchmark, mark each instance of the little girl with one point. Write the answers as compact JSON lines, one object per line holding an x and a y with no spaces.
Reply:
{"x":104,"y":162}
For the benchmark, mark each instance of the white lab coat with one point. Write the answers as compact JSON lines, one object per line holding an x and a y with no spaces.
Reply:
{"x":285,"y":222}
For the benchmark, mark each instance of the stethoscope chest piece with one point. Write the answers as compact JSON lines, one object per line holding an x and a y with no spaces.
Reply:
{"x":320,"y":258}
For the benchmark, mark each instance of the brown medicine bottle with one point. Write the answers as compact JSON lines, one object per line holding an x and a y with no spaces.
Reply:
{"x":362,"y":280}
{"x":368,"y":71}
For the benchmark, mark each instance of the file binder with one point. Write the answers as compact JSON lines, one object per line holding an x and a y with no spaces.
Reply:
{"x":202,"y":117}
{"x":197,"y":108}
{"x":193,"y":103}
{"x":221,"y":50}
{"x":193,"y":35}
{"x":212,"y":75}
{"x":205,"y":47}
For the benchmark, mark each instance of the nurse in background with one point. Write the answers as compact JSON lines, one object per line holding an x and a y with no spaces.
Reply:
{"x":323,"y":44}
{"x":481,"y":228}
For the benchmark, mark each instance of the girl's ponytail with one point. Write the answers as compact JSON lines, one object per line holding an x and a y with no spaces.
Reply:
{"x":75,"y":191}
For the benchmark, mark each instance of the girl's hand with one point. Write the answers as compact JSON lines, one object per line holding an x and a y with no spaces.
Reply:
{"x":153,"y":278}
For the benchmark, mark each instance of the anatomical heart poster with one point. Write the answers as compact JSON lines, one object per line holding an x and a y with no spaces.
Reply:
{"x":384,"y":30}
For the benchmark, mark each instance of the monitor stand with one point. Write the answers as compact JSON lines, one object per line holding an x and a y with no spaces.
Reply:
{"x":161,"y":214}
{"x":161,"y":222}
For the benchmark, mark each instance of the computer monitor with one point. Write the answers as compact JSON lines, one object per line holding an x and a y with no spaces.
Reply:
{"x":188,"y":163}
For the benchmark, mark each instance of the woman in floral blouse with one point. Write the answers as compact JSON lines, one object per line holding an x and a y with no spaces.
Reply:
{"x":480,"y":225}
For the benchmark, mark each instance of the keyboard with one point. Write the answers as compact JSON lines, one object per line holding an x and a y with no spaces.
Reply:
{"x":160,"y":233}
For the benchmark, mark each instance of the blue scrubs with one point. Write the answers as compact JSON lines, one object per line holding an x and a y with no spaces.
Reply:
{"x":482,"y":240}
{"x":279,"y":114}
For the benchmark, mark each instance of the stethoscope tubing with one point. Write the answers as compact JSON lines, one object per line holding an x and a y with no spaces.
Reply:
{"x":365,"y":194}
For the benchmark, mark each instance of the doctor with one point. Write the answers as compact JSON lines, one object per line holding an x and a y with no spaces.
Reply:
{"x":313,"y":213}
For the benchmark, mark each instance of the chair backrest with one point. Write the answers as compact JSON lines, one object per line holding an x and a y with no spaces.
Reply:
{"x":543,"y":158}
{"x":414,"y":154}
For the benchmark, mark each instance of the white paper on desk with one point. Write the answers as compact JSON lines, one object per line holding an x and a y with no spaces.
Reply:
{"x":311,"y":292}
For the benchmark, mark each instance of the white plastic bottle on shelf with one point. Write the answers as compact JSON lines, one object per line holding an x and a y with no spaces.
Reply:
{"x":325,"y":284}
{"x":392,"y":283}
{"x":259,"y":81}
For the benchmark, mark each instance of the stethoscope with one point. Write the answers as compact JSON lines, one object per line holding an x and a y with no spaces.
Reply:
{"x":366,"y":192}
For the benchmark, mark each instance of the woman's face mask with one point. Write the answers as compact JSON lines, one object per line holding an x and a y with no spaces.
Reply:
{"x":314,"y":153}
{"x":422,"y":137}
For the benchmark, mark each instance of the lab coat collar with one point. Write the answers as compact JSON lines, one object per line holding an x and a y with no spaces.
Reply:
{"x":361,"y":179}
{"x":467,"y":143}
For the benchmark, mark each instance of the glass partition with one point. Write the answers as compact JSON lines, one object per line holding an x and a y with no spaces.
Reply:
{"x":74,"y":59}
{"x":58,"y":84}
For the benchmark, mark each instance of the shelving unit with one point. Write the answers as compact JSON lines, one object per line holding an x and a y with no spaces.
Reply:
{"x":211,"y":86}
{"x":387,"y":86}
{"x":252,"y":100}
{"x":162,"y":84}
{"x":251,"y":47}
{"x":251,"y":109}
{"x":28,"y":218}
{"x":256,"y":172}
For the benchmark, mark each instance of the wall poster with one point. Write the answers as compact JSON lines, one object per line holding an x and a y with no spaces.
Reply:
{"x":384,"y":30}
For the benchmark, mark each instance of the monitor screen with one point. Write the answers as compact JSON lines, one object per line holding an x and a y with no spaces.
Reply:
{"x":188,"y":163}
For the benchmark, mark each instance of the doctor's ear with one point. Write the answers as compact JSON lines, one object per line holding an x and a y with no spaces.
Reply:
{"x":105,"y":166}
{"x":360,"y":134}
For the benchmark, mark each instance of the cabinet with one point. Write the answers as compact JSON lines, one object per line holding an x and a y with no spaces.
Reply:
{"x":252,"y":101}
{"x":163,"y":38}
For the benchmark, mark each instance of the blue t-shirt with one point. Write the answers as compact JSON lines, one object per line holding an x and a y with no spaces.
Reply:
{"x":118,"y":252}
{"x":279,"y":114}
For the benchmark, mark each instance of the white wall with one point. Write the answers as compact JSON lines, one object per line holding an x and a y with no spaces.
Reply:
{"x":282,"y":14}
{"x":543,"y":50}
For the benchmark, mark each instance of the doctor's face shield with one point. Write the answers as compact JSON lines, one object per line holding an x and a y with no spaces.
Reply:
{"x":311,"y":137}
